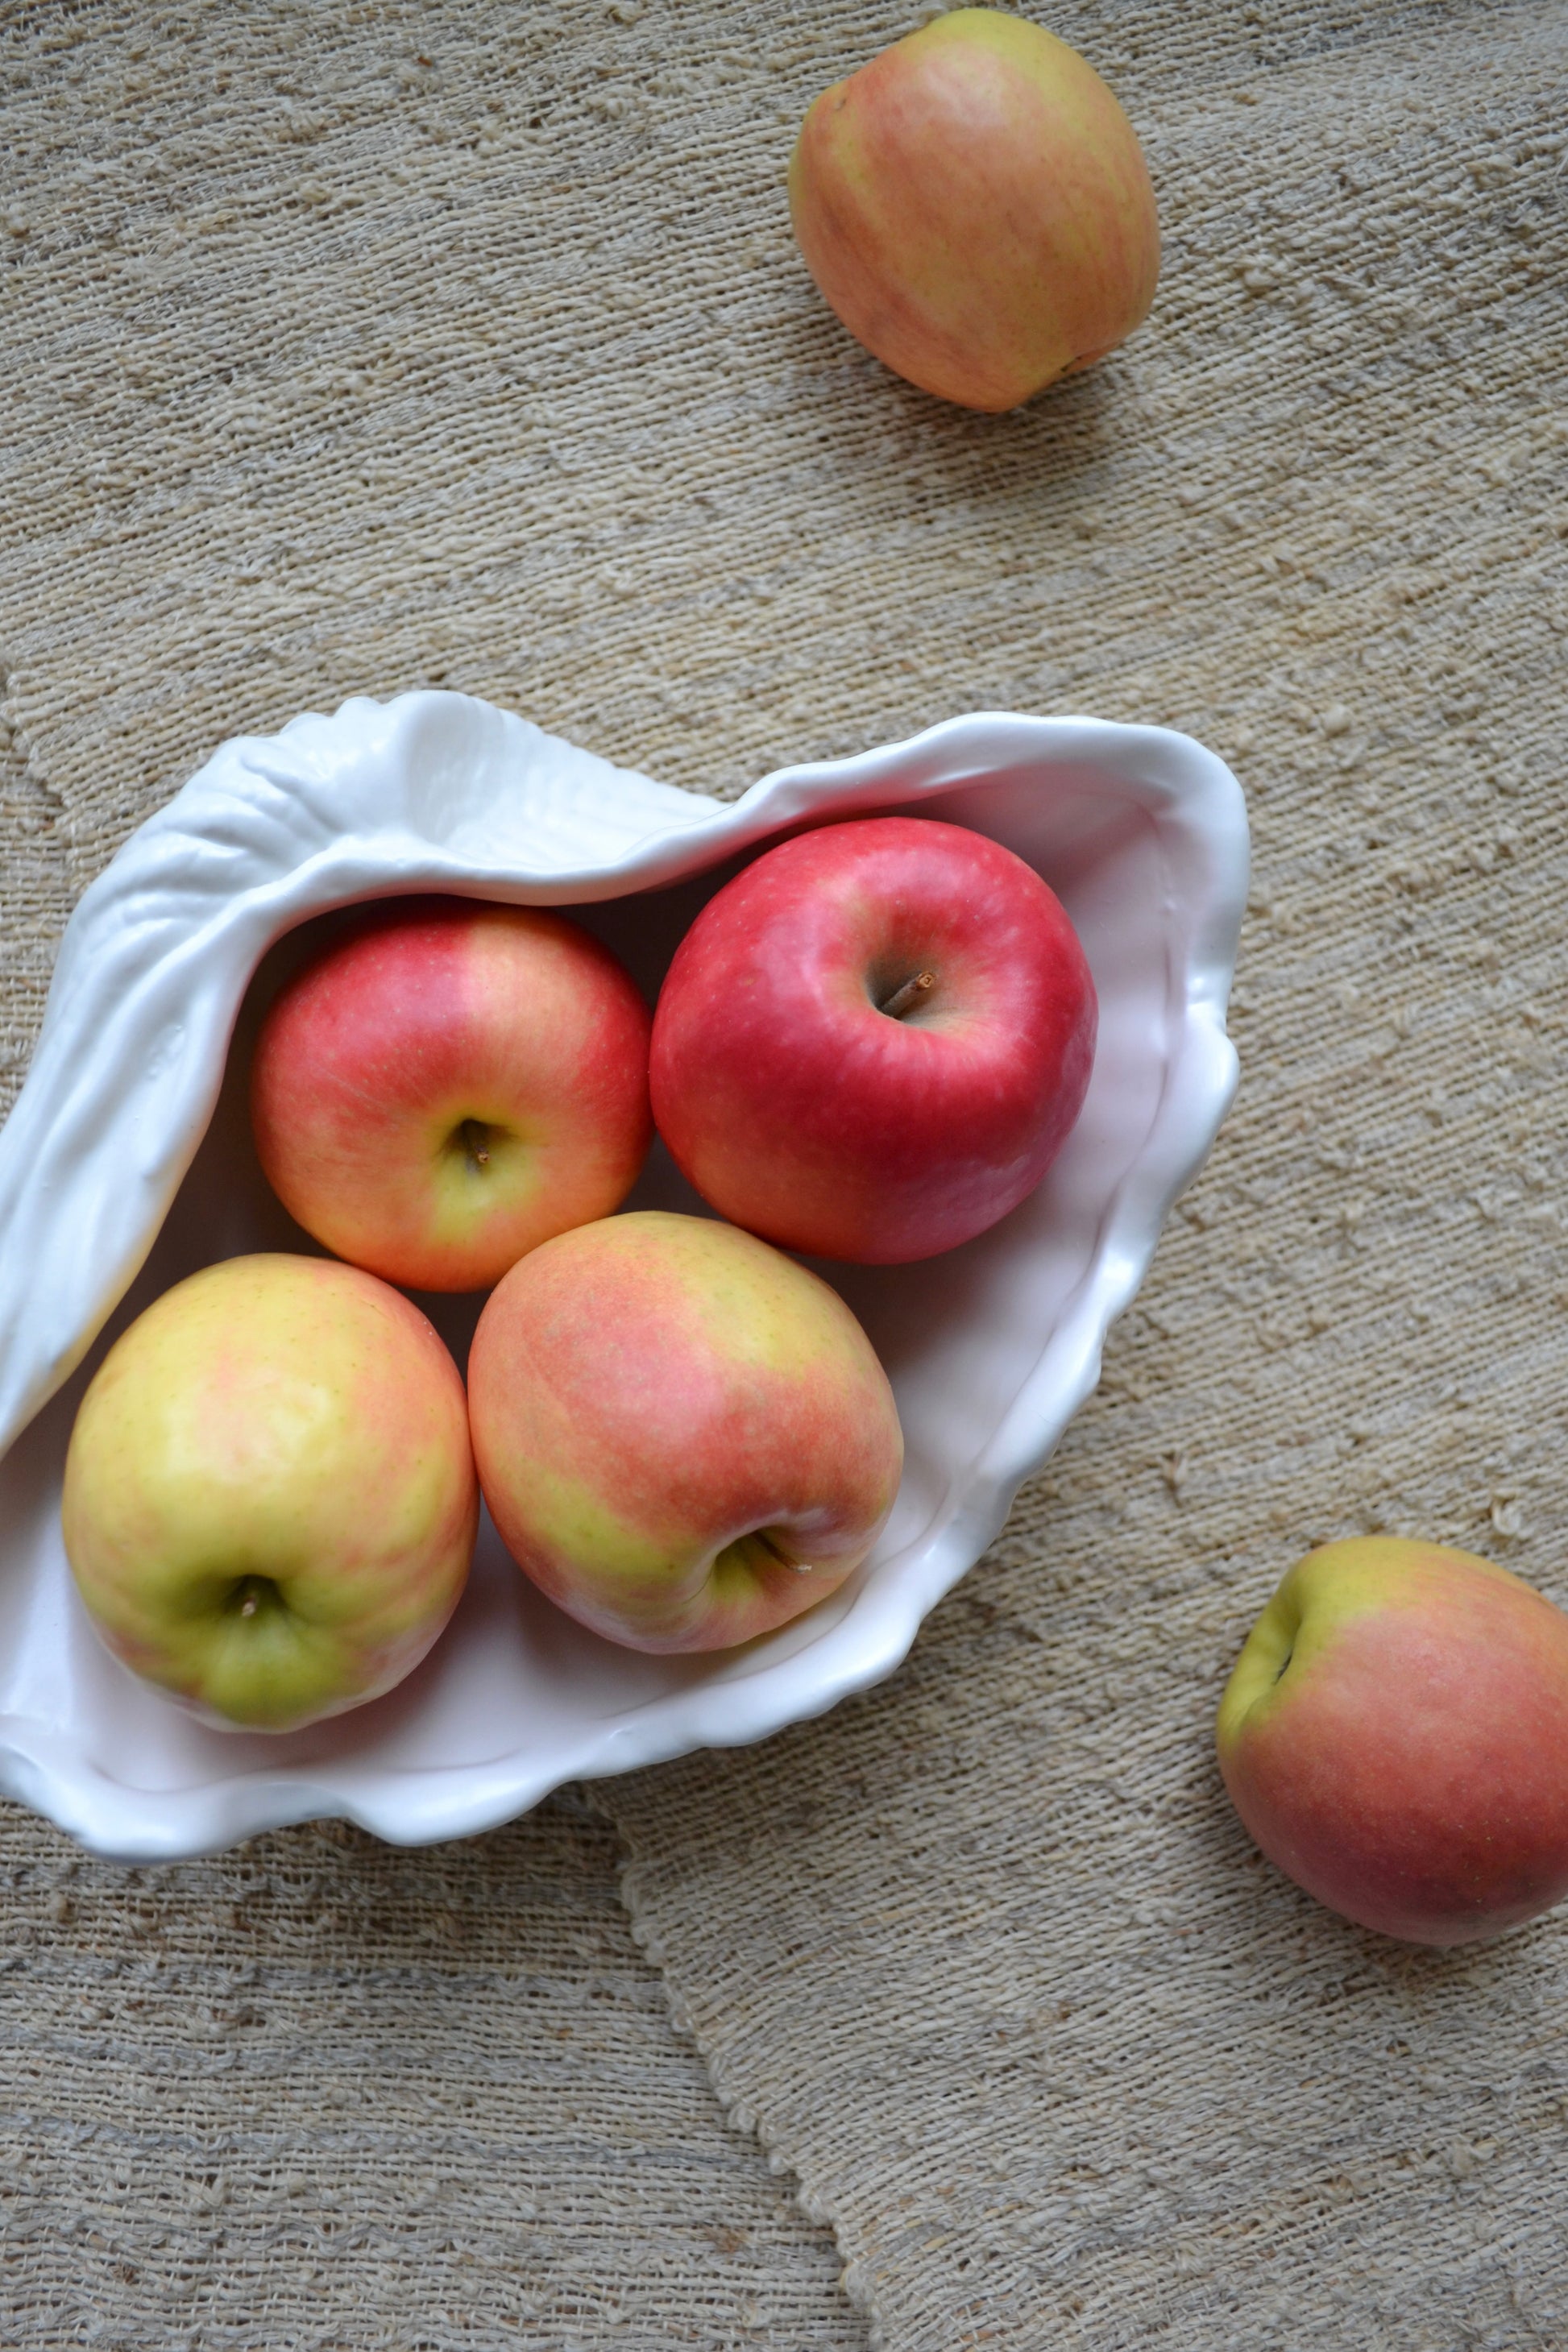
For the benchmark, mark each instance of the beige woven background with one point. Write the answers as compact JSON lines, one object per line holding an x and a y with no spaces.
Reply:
{"x":346,"y":350}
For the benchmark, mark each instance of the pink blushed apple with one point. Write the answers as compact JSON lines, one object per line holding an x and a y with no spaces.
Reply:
{"x":1394,"y":1737}
{"x":873,"y":1042}
{"x":270,"y":1500}
{"x":684,"y":1438}
{"x":450,"y":1084}
{"x":975,"y":206}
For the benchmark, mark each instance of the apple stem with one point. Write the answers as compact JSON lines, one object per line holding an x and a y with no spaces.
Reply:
{"x":474,"y":1136}
{"x":801,"y":1567}
{"x":909,"y":993}
{"x":250,"y":1592}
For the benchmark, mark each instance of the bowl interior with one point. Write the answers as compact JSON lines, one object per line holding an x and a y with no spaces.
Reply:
{"x":960,"y":1334}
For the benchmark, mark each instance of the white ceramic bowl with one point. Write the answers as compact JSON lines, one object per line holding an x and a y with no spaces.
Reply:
{"x":127,"y":1164}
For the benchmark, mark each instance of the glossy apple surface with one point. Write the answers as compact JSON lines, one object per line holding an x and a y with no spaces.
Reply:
{"x":269,"y":1501}
{"x":1395,"y":1738}
{"x":873,"y":1042}
{"x":684,"y":1438}
{"x":448,"y":1085}
{"x":975,"y":206}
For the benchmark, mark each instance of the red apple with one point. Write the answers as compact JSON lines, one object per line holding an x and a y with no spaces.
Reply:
{"x":975,"y":206}
{"x":1395,"y":1738}
{"x":873,"y":1042}
{"x":269,"y":1497}
{"x":449,"y":1085}
{"x":684,"y":1438}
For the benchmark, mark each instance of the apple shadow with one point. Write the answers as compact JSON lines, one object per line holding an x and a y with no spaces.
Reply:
{"x":1017,"y":464}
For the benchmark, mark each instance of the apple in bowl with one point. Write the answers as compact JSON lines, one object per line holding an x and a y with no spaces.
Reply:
{"x":1394,"y":1737}
{"x":685,"y":1439}
{"x":270,"y":1503}
{"x":873,"y":1042}
{"x":448,"y":1084}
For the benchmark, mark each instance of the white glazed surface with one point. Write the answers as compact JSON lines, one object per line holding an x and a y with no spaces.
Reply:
{"x":127,"y":1164}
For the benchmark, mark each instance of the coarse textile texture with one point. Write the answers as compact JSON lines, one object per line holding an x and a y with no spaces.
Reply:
{"x":351,"y":350}
{"x":325,"y":2093}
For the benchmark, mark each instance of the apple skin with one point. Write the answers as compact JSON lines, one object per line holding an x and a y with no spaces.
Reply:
{"x":651,"y":1395}
{"x":284,"y":1430}
{"x":800,"y":1110}
{"x":1395,"y":1738}
{"x":975,"y":206}
{"x":449,"y":1085}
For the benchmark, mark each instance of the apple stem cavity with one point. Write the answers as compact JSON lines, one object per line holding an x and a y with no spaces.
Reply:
{"x":474,"y":1136}
{"x":908,"y":995}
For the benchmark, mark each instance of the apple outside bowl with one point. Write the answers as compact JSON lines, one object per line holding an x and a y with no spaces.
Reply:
{"x":127,"y":1164}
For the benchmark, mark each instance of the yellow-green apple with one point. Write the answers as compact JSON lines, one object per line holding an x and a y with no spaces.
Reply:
{"x":449,"y":1084}
{"x":684,"y":1438}
{"x":974,"y":204}
{"x":1395,"y":1738}
{"x":873,"y":1042}
{"x":269,"y":1499}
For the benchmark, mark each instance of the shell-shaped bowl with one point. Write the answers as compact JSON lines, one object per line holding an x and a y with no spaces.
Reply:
{"x":127,"y":1164}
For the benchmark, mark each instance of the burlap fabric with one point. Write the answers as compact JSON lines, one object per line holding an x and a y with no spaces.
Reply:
{"x":350,"y":350}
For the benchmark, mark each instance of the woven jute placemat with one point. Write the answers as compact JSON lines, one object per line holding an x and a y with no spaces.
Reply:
{"x":350,"y":350}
